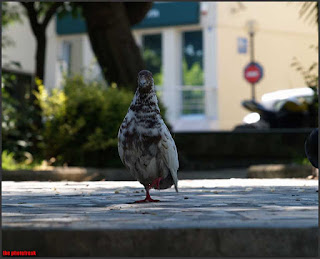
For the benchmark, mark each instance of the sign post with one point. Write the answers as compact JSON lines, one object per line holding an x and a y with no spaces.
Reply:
{"x":253,"y":72}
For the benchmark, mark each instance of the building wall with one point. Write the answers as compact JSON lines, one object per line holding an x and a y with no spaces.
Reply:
{"x":23,"y":49}
{"x":24,"y":44}
{"x":281,"y":35}
{"x":51,"y":68}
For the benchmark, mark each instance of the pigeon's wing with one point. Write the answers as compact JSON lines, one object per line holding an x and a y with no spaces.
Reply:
{"x":124,"y":154}
{"x":168,"y":152}
{"x":120,"y":148}
{"x":120,"y":151}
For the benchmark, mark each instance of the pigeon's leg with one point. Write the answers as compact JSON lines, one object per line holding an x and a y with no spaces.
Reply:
{"x":156,"y":183}
{"x":148,"y":197}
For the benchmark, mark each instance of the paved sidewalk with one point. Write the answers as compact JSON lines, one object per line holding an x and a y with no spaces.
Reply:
{"x":245,"y":213}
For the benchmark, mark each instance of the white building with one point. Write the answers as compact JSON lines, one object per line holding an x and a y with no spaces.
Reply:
{"x":197,"y":52}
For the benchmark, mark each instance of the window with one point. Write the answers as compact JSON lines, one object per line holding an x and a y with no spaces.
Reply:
{"x":192,"y":73}
{"x":152,"y":55}
{"x":66,"y":57}
{"x":192,"y":65}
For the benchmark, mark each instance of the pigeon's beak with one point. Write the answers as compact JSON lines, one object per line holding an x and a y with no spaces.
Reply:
{"x":142,"y":81}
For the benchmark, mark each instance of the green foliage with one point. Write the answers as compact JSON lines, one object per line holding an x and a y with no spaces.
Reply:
{"x":153,"y":63}
{"x":18,"y":129}
{"x":10,"y":163}
{"x":72,"y":8}
{"x":301,"y":161}
{"x":194,"y":75}
{"x":9,"y":112}
{"x":309,"y":10}
{"x":152,"y":59}
{"x":10,"y":14}
{"x":82,"y":122}
{"x":158,"y":78}
{"x":310,"y":76}
{"x":41,"y":9}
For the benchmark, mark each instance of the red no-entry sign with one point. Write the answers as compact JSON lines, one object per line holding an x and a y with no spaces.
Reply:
{"x":253,"y":72}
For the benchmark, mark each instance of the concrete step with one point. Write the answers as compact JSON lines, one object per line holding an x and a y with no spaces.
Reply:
{"x":197,"y":242}
{"x":222,"y":217}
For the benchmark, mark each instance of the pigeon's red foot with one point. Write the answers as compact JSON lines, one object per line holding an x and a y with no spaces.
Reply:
{"x":156,"y":183}
{"x":147,"y":199}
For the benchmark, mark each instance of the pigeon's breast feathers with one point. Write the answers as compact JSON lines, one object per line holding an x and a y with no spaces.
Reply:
{"x":143,"y":117}
{"x":145,"y":103}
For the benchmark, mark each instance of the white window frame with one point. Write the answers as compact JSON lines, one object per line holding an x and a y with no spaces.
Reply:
{"x":192,"y":87}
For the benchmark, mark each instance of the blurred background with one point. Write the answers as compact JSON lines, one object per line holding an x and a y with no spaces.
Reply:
{"x":237,"y":81}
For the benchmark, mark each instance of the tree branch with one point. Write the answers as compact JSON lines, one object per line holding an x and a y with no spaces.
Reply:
{"x":136,"y":11}
{"x":50,"y":13}
{"x":33,"y":15}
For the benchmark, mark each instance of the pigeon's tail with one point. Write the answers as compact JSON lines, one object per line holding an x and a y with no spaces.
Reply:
{"x":175,"y":179}
{"x":176,"y":187}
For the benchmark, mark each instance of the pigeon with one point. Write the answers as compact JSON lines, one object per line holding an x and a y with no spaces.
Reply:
{"x":145,"y":144}
{"x":311,"y":147}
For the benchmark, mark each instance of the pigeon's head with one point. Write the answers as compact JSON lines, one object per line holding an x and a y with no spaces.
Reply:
{"x":145,"y":81}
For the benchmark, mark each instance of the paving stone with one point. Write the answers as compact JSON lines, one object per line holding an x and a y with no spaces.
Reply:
{"x":277,"y":207}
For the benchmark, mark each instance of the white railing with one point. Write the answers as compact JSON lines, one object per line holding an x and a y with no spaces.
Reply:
{"x":192,"y":100}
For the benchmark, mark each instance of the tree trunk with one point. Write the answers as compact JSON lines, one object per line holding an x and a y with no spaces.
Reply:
{"x":34,"y":12}
{"x":40,"y":56}
{"x":40,"y":66}
{"x":109,"y":30}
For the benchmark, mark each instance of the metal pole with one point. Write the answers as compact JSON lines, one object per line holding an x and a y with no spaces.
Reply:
{"x":253,"y":94}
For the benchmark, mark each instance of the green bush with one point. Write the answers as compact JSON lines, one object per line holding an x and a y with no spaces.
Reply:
{"x":18,"y":128}
{"x":10,"y":163}
{"x":81,"y":123}
{"x":310,"y":76}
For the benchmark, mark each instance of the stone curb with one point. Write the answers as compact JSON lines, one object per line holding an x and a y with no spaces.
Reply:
{"x":267,"y":242}
{"x":95,"y":174}
{"x":280,"y":171}
{"x":92,"y":174}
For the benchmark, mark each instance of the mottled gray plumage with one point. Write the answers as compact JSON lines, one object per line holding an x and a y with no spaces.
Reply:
{"x":145,"y":144}
{"x":311,"y":147}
